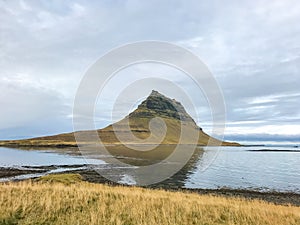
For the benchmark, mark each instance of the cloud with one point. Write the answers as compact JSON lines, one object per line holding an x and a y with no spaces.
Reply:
{"x":252,"y":47}
{"x":27,"y":104}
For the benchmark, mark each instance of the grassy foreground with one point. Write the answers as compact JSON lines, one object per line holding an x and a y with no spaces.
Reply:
{"x":65,"y":199}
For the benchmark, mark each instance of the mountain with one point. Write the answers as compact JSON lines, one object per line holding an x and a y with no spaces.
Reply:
{"x":144,"y":128}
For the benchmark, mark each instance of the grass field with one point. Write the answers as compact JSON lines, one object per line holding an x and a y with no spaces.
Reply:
{"x":65,"y":199}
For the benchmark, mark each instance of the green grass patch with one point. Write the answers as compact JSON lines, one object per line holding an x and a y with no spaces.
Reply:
{"x":61,"y":178}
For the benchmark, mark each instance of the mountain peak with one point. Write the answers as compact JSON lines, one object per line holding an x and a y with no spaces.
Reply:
{"x":157,"y":104}
{"x":155,"y":93}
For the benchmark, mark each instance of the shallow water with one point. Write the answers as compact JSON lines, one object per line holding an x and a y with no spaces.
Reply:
{"x":232,"y":167}
{"x":238,"y":167}
{"x":11,"y":157}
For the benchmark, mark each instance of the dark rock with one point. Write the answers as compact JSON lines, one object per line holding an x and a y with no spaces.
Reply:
{"x":161,"y":106}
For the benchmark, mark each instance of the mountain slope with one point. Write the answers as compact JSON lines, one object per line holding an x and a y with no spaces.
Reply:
{"x":143,"y":128}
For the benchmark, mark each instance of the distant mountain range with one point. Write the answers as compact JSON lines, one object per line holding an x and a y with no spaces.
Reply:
{"x":155,"y":105}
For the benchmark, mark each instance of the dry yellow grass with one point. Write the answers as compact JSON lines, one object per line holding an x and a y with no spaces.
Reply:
{"x":85,"y":203}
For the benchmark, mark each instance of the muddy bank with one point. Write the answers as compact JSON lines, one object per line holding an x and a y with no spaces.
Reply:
{"x":273,"y":197}
{"x":11,"y":172}
{"x":24,"y":172}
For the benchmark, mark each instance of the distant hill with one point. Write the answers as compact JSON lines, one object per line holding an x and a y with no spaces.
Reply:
{"x":155,"y":105}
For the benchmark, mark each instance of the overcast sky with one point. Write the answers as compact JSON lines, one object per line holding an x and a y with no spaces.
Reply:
{"x":251,"y":47}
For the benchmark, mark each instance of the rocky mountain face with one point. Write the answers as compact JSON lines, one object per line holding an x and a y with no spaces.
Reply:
{"x":158,"y":105}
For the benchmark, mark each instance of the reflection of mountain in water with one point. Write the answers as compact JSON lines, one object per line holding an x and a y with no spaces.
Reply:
{"x":128,"y":174}
{"x":178,"y":179}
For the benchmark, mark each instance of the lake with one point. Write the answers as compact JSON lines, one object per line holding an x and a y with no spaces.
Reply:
{"x":252,"y":168}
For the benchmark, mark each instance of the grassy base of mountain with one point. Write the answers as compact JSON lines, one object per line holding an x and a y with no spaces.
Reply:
{"x":139,"y":128}
{"x":66,"y":199}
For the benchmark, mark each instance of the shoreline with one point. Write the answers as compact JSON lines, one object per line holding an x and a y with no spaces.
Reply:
{"x":89,"y":175}
{"x":280,"y":198}
{"x":36,"y":143}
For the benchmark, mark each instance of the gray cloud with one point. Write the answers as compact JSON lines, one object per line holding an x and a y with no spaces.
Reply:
{"x":29,"y":106}
{"x":252,"y":47}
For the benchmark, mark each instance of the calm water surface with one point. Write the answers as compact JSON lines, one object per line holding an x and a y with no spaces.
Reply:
{"x":233,"y":167}
{"x":11,"y":157}
{"x":237,"y":167}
